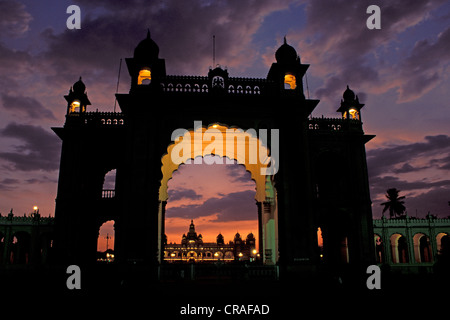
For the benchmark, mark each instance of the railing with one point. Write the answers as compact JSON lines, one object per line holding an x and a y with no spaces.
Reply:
{"x":202,"y":85}
{"x":108,"y":193}
{"x":113,"y":119}
{"x":334,"y":125}
{"x":27,"y":220}
{"x":411,"y":221}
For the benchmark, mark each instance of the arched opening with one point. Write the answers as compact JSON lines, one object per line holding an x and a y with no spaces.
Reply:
{"x":422,"y":248}
{"x":218,"y":82}
{"x":320,"y":243}
{"x":105,"y":242}
{"x":109,"y":185}
{"x":206,"y":205}
{"x":379,"y":248}
{"x":145,"y":76}
{"x":443,"y":242}
{"x":20,"y":248}
{"x":223,"y":146}
{"x":290,"y":83}
{"x":75,"y":106}
{"x":399,"y":246}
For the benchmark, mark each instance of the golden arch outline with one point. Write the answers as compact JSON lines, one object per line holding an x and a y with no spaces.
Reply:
{"x":247,"y":149}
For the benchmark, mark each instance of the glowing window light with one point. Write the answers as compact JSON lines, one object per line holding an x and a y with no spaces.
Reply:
{"x":354,"y":114}
{"x":75,"y":106}
{"x":145,"y":77}
{"x":290,"y":82}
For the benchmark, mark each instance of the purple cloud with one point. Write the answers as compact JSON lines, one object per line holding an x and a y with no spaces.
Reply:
{"x":235,"y":206}
{"x":27,"y":106}
{"x":14,"y":19}
{"x":40,"y":149}
{"x":178,"y":194}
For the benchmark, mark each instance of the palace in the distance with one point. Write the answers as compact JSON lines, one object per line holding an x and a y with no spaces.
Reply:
{"x":193,"y":249}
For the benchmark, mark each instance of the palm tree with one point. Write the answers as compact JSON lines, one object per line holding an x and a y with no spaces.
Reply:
{"x":395,"y":205}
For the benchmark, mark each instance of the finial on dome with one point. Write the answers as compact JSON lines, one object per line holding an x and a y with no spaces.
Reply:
{"x":348,"y":95}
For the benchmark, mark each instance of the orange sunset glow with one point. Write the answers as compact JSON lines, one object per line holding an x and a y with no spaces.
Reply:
{"x":208,"y":194}
{"x":196,"y":188}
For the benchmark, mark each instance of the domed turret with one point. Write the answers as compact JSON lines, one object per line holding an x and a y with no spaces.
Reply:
{"x":287,"y":71}
{"x":220,"y":239}
{"x":350,"y":106}
{"x":348,"y":95}
{"x":79,"y":87}
{"x":147,"y":49}
{"x":145,"y":68}
{"x":286,"y":53}
{"x":77,"y":99}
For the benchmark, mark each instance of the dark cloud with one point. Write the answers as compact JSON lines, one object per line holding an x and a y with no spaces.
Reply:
{"x":381,"y":184}
{"x":26,"y":105}
{"x":423,"y":69}
{"x":344,"y":51}
{"x":182,"y":29}
{"x":443,"y":164}
{"x":434,"y":197}
{"x":177,"y":194}
{"x":383,"y":160}
{"x":406,"y":167}
{"x":386,"y":166}
{"x":434,"y":201}
{"x":235,"y":206}
{"x":8,"y":184}
{"x":39,"y":149}
{"x":14,"y":67}
{"x":238,"y":173}
{"x":14,"y":19}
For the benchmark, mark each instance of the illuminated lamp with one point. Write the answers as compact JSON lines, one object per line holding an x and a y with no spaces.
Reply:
{"x":290,"y":81}
{"x":75,"y":106}
{"x":354,"y":114}
{"x":145,"y":77}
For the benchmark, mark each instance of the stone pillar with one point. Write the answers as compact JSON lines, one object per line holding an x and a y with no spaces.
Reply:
{"x":269,"y":233}
{"x":386,"y":242}
{"x":260,"y":231}
{"x":409,"y":238}
{"x":161,"y":228}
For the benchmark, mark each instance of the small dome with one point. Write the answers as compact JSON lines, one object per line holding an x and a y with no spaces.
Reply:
{"x":79,"y":86}
{"x":147,"y":49}
{"x":286,"y":53}
{"x":348,"y":95}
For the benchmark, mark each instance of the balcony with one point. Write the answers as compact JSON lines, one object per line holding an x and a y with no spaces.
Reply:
{"x":108,"y":193}
{"x":334,"y":125}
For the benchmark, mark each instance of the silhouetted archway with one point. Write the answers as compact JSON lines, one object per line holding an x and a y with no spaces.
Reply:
{"x":245,"y":148}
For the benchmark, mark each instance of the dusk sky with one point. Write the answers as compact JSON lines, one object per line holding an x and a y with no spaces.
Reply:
{"x":399,"y":72}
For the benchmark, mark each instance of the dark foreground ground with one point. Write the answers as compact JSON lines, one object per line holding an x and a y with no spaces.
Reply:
{"x":109,"y":291}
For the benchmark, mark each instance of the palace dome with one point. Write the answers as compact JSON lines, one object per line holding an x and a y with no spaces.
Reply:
{"x":79,"y":86}
{"x":286,"y":53}
{"x":147,"y":49}
{"x":348,"y":95}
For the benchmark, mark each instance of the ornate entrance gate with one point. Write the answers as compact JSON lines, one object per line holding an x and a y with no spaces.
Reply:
{"x":317,"y":178}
